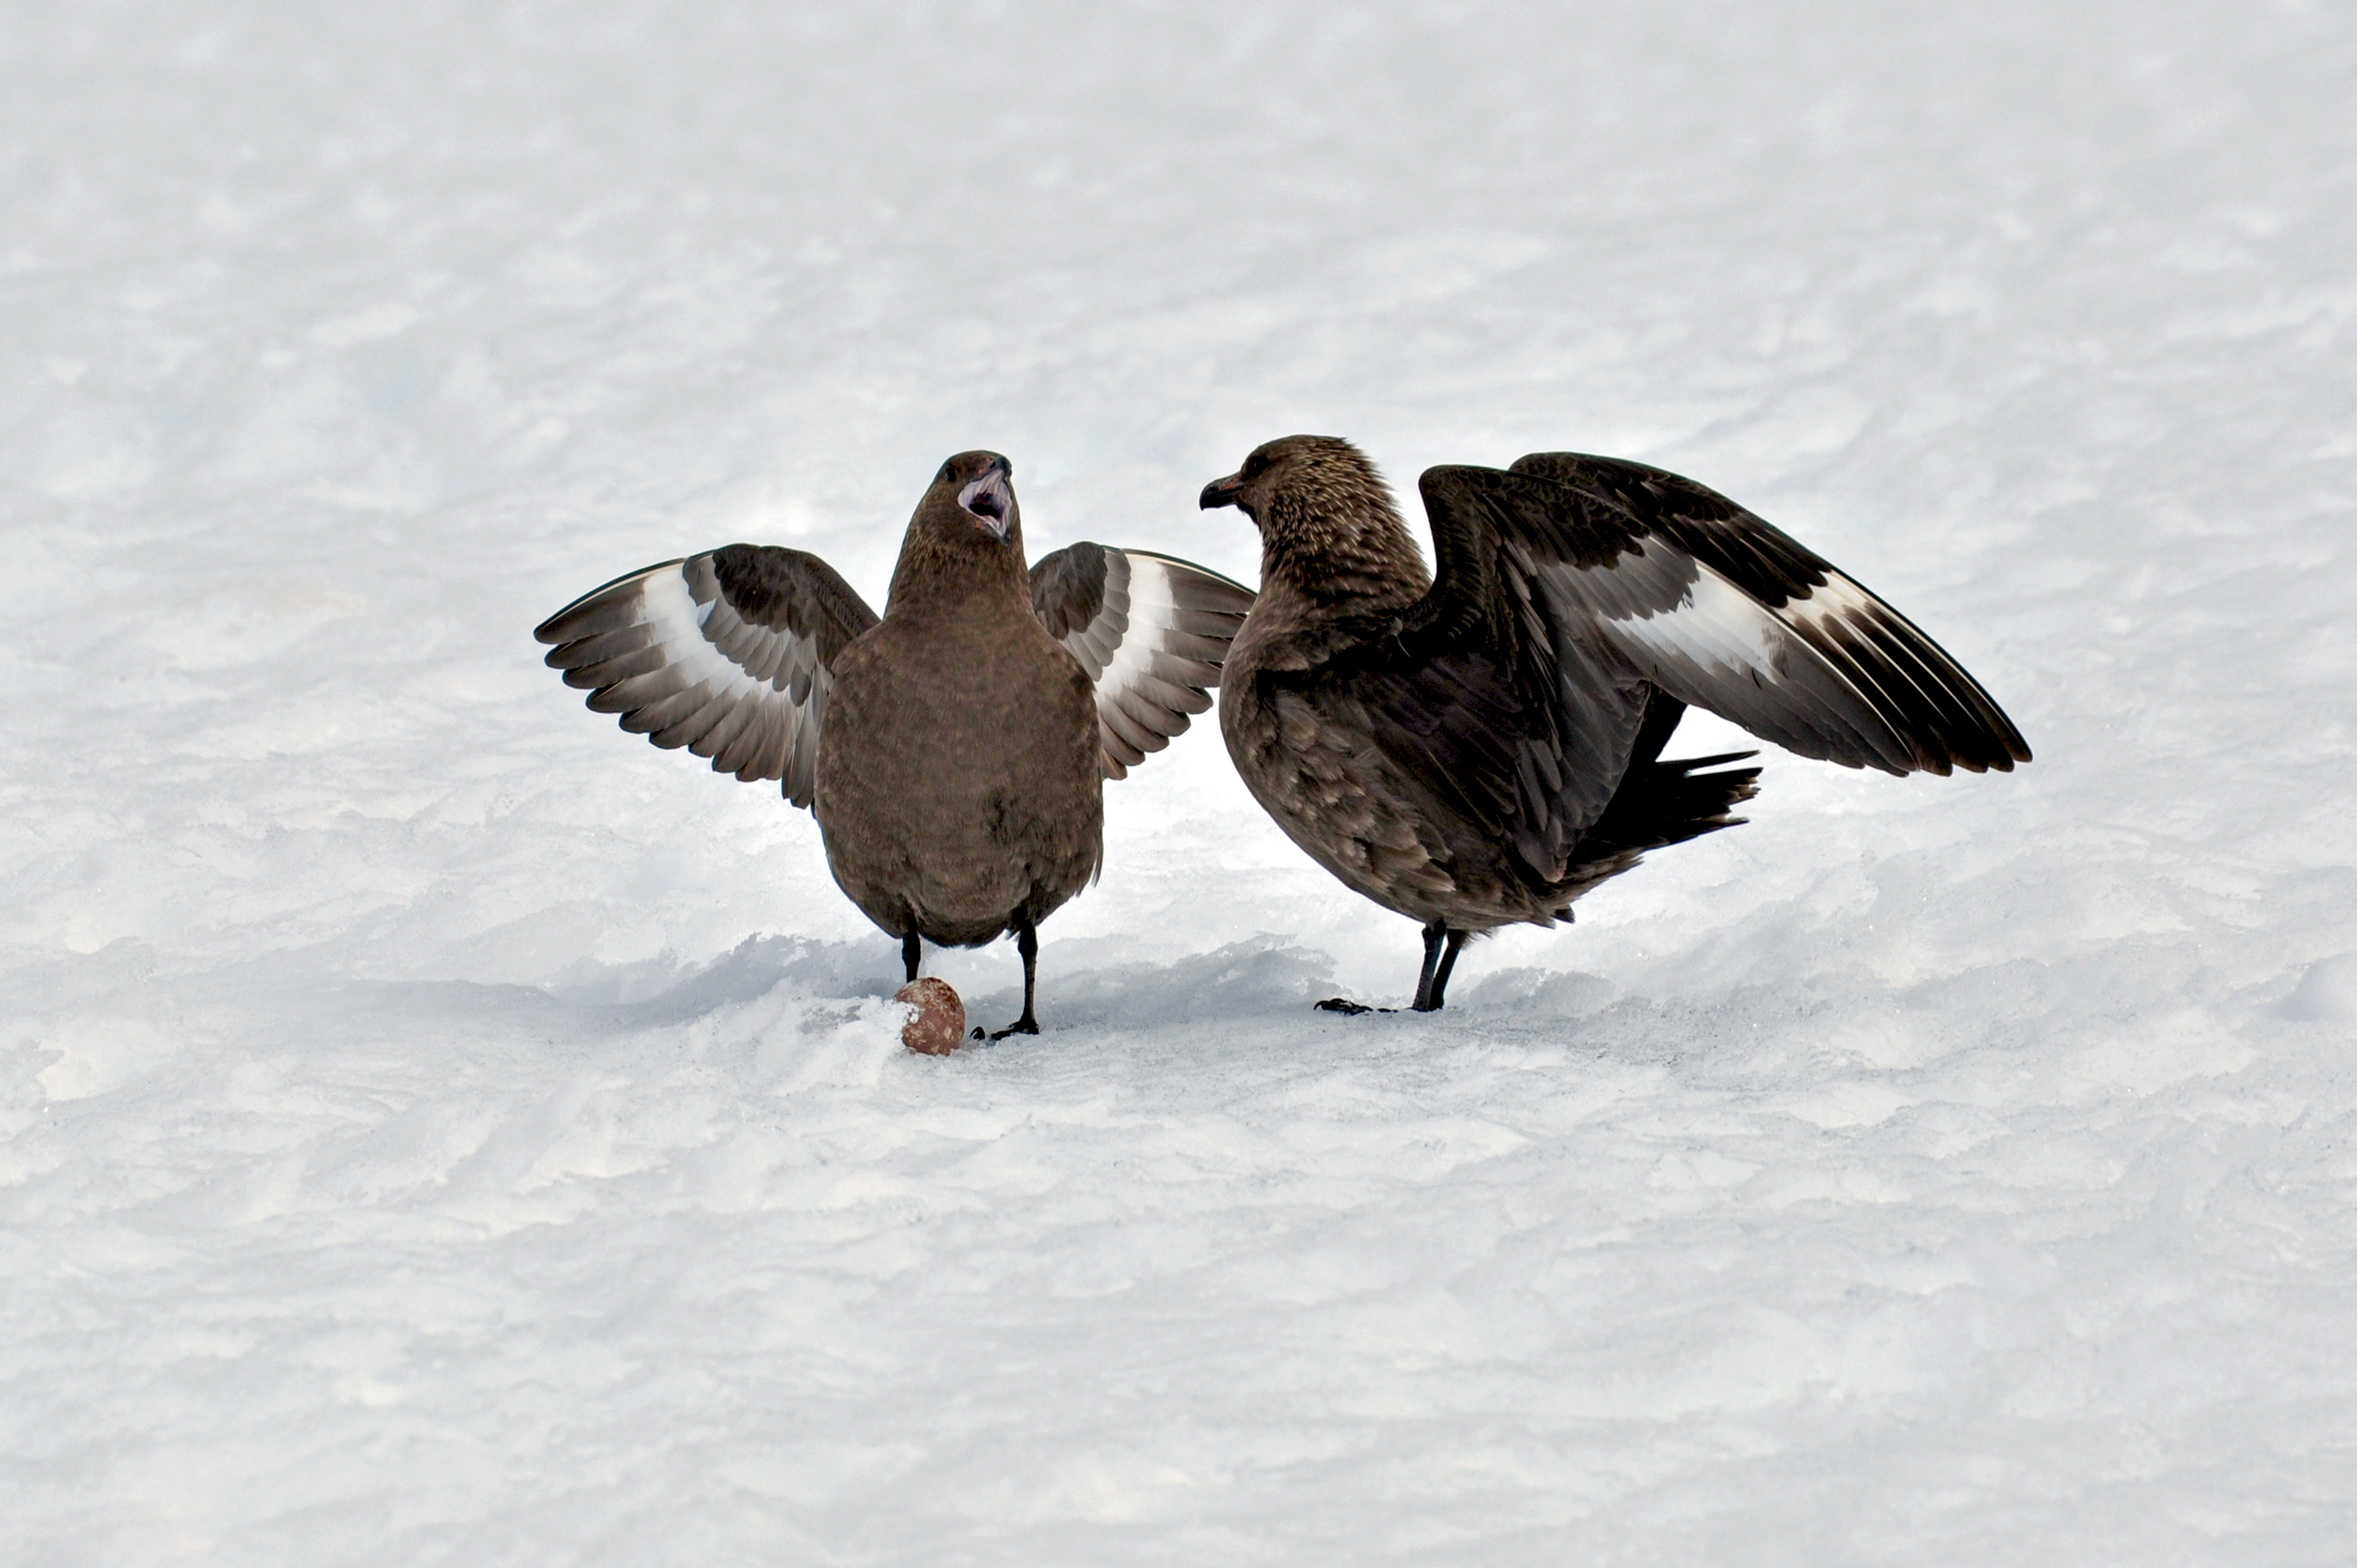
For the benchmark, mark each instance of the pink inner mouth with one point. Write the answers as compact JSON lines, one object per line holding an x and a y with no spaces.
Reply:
{"x":987,"y":498}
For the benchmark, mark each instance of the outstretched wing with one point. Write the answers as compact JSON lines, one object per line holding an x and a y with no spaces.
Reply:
{"x":1151,"y":630}
{"x":727,"y":653}
{"x":1651,"y":576}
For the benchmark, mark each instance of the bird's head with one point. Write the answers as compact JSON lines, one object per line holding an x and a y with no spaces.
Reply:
{"x":1326,"y":518}
{"x":967,"y":537}
{"x":972,"y":500}
{"x":1293,"y":473}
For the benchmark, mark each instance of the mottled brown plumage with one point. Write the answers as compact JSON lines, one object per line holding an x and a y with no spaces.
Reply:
{"x":952,"y":751}
{"x":1483,"y":745}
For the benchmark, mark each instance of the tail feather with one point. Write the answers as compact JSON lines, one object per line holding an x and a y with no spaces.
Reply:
{"x":1660,"y":803}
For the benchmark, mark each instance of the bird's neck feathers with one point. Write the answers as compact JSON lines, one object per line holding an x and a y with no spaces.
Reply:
{"x":950,"y":566}
{"x":1337,"y":537}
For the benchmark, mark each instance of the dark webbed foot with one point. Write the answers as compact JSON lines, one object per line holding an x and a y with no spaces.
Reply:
{"x":1349,"y":1008}
{"x":1025,"y":1024}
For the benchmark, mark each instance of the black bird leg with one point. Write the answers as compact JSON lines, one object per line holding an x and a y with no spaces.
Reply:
{"x":1441,"y":947}
{"x":912,"y":948}
{"x":1027,"y":942}
{"x":1429,"y":990}
{"x":1434,"y":935}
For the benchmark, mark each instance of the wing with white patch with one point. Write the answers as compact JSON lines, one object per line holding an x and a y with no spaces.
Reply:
{"x":727,"y":653}
{"x":1152,"y":633}
{"x":1693,"y":594}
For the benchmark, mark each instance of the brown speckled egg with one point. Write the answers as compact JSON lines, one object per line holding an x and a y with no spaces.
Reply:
{"x":936,"y":1017}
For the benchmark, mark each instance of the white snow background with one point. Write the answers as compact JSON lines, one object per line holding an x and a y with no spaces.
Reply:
{"x":438,"y":1128}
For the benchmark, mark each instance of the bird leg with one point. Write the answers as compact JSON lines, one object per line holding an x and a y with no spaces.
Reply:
{"x":1027,"y":942}
{"x":1434,"y":935}
{"x":912,"y":948}
{"x":1429,"y":994}
{"x":1440,"y":949}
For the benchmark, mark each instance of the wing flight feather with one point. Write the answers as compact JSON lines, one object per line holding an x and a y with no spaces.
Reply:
{"x":1673,"y":584}
{"x":1152,"y":633}
{"x":725,"y":653}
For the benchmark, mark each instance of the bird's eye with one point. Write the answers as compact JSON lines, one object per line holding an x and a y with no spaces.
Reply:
{"x":949,"y":472}
{"x":1255,"y":465}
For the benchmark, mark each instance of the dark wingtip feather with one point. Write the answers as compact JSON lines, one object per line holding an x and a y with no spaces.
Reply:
{"x":1689,"y":763}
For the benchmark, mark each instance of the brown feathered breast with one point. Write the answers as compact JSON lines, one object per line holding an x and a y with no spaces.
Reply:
{"x":959,"y":788}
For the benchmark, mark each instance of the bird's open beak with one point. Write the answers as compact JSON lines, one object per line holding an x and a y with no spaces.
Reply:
{"x":1223,"y":492}
{"x":990,"y":500}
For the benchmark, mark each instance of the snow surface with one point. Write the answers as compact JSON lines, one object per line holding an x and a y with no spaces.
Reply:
{"x":435,"y":1127}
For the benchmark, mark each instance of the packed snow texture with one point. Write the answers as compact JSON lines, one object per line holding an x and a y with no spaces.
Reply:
{"x":440,"y":1128}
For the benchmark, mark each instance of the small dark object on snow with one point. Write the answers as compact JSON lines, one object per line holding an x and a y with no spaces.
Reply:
{"x":954,"y":751}
{"x":1484,"y":746}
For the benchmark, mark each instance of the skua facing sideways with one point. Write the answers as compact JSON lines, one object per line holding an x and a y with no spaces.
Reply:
{"x":1481,"y":745}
